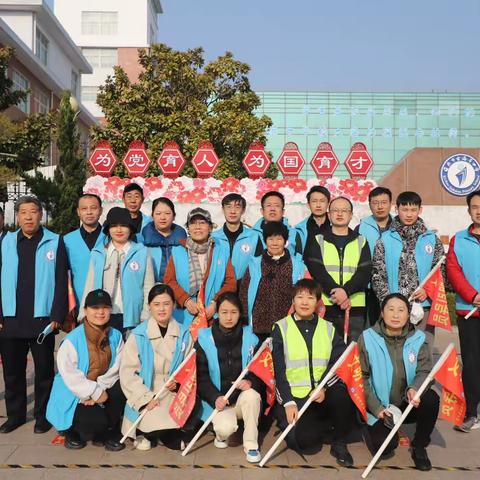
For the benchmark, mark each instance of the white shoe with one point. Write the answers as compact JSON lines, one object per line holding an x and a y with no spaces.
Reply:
{"x":142,"y":443}
{"x":476,"y":425}
{"x":253,"y":456}
{"x":220,"y":443}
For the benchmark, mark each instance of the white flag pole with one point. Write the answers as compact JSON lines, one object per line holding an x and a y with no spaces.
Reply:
{"x":157,"y":395}
{"x":427,"y":278}
{"x":470,"y":313}
{"x":324,"y":381}
{"x":394,"y":430}
{"x":226,"y":396}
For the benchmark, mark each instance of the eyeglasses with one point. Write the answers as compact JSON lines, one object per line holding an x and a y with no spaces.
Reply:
{"x":340,"y":210}
{"x":377,"y":203}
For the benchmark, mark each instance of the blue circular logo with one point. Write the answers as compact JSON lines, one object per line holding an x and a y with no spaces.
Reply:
{"x":460,"y":174}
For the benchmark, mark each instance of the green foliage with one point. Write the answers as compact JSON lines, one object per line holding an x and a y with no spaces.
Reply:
{"x":178,"y":97}
{"x":8,"y":97}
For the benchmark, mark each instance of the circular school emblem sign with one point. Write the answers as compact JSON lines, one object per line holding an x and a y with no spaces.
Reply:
{"x":50,"y":255}
{"x":411,"y":357}
{"x":460,"y":174}
{"x":134,"y":266}
{"x":245,"y":247}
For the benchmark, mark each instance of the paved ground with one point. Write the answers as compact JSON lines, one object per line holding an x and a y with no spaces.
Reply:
{"x":24,"y":455}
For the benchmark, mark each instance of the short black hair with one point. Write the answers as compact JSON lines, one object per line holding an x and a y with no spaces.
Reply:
{"x":232,"y":198}
{"x":131,"y":187}
{"x":409,"y":198}
{"x":158,"y":289}
{"x":166,"y":201}
{"x":396,"y":295}
{"x":375,"y":192}
{"x":28,"y":199}
{"x":318,"y":189}
{"x":271,"y":229}
{"x":308,"y":284}
{"x":89,"y":195}
{"x":272,"y":193}
{"x":231,"y":297}
{"x":476,"y":193}
{"x":341,"y":198}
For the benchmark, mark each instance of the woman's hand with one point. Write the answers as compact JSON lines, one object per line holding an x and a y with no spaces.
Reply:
{"x":191,"y":306}
{"x":292,"y":413}
{"x":221,"y":403}
{"x":210,"y":311}
{"x":172,"y":386}
{"x":88,"y":403}
{"x":384,"y":413}
{"x":152,"y":404}
{"x":410,"y":397}
{"x":244,"y":385}
{"x":102,"y":398}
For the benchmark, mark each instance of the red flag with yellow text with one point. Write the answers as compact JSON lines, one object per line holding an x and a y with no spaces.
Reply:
{"x":262,"y":367}
{"x":200,"y":320}
{"x":435,"y":288}
{"x":452,"y":403}
{"x":184,"y":400}
{"x":350,"y":372}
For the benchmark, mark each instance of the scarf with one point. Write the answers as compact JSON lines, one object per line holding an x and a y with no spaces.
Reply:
{"x":195,"y":270}
{"x":99,"y":353}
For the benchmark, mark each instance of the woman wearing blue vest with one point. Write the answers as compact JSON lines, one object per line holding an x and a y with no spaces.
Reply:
{"x":223,"y":351}
{"x":161,"y":235}
{"x":124,"y":269}
{"x":396,"y":359}
{"x":199,"y":262}
{"x":268,"y":277}
{"x":86,"y":400}
{"x":153,"y":351}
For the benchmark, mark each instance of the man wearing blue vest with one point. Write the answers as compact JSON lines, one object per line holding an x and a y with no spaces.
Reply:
{"x":83,"y":240}
{"x":318,"y":198}
{"x":371,"y":228}
{"x":33,"y":288}
{"x":273,"y":210}
{"x":133,"y":201}
{"x":463,"y":267}
{"x":405,"y":254}
{"x":241,"y":240}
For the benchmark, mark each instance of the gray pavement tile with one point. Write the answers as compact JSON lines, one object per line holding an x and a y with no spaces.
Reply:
{"x":264,"y":474}
{"x":94,"y":474}
{"x":194,"y":473}
{"x":23,"y":474}
{"x":5,"y":452}
{"x":55,"y":454}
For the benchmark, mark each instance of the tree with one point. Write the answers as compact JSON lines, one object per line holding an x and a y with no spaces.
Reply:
{"x":8,"y":96}
{"x":178,"y":97}
{"x":60,"y":195}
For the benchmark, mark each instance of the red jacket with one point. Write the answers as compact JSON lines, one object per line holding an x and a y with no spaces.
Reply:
{"x":457,"y":278}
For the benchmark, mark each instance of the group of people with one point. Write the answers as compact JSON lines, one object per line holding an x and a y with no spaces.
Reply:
{"x":139,"y":282}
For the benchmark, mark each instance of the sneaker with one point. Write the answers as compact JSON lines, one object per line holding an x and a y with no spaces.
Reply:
{"x":220,"y":443}
{"x":253,"y":456}
{"x":420,"y":459}
{"x":341,"y":453}
{"x":470,"y":423}
{"x":142,"y":443}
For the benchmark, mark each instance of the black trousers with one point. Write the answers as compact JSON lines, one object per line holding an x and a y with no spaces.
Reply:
{"x":356,"y":326}
{"x":14,"y":353}
{"x":469,"y":332}
{"x":424,"y":416}
{"x":373,"y":307}
{"x":335,"y":411}
{"x":90,"y":421}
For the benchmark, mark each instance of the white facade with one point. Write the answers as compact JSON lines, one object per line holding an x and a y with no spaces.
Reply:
{"x":103,"y":29}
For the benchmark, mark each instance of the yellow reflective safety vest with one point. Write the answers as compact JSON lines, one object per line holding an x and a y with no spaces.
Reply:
{"x":342,"y":267}
{"x":297,"y":355}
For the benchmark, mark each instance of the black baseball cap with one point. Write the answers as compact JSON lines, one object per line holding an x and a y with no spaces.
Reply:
{"x":98,"y":297}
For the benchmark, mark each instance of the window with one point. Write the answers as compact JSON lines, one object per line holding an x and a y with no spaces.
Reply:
{"x":89,"y":94}
{"x":74,"y":84}
{"x":101,"y":57}
{"x":41,"y":47}
{"x":99,"y":23}
{"x":41,"y":102}
{"x":20,"y":82}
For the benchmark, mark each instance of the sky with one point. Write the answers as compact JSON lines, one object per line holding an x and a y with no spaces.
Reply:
{"x":336,"y":45}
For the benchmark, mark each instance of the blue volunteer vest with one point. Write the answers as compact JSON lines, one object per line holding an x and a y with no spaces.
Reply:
{"x":292,"y":234}
{"x":45,"y":260}
{"x":133,"y":276}
{"x":301,"y":229}
{"x":381,"y":368}
{"x":255,"y":269}
{"x":206,"y":341}
{"x":370,"y":230}
{"x":156,"y":256}
{"x":145,"y":354}
{"x":243,"y":248}
{"x":216,"y":276}
{"x":79,"y":259}
{"x":467,"y":251}
{"x":424,"y":251}
{"x":62,"y":403}
{"x":146,"y":219}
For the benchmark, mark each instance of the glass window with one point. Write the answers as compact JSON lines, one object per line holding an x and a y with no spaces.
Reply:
{"x":41,"y":102}
{"x":74,"y":84}
{"x":99,"y":23}
{"x":20,"y":82}
{"x":101,"y":57}
{"x":89,"y":94}
{"x":41,"y":47}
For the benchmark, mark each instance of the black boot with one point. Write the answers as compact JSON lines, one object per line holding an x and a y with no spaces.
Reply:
{"x":420,"y":458}
{"x":73,"y":440}
{"x":10,"y":425}
{"x":340,"y":451}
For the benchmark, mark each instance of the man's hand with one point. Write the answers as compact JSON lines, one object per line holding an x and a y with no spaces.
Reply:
{"x":292,"y":413}
{"x":476,"y":300}
{"x":220,"y":403}
{"x":338,"y":295}
{"x":420,"y":294}
{"x":102,"y":398}
{"x":319,"y":397}
{"x":410,"y":396}
{"x":346,"y":304}
{"x":88,"y":403}
{"x":384,"y":413}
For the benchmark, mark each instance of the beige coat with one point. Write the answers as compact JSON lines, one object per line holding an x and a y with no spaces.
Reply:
{"x":138,"y":395}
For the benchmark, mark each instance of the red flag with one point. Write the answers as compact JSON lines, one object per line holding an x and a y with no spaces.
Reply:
{"x":452,"y":403}
{"x":262,"y":367}
{"x":200,"y":321}
{"x":439,"y":316}
{"x":184,"y":400}
{"x":350,"y":372}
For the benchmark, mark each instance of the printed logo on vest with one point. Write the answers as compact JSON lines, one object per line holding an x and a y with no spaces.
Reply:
{"x":245,"y":247}
{"x":412,"y":357}
{"x":428,"y":248}
{"x":250,"y":351}
{"x":50,"y":255}
{"x":134,"y":266}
